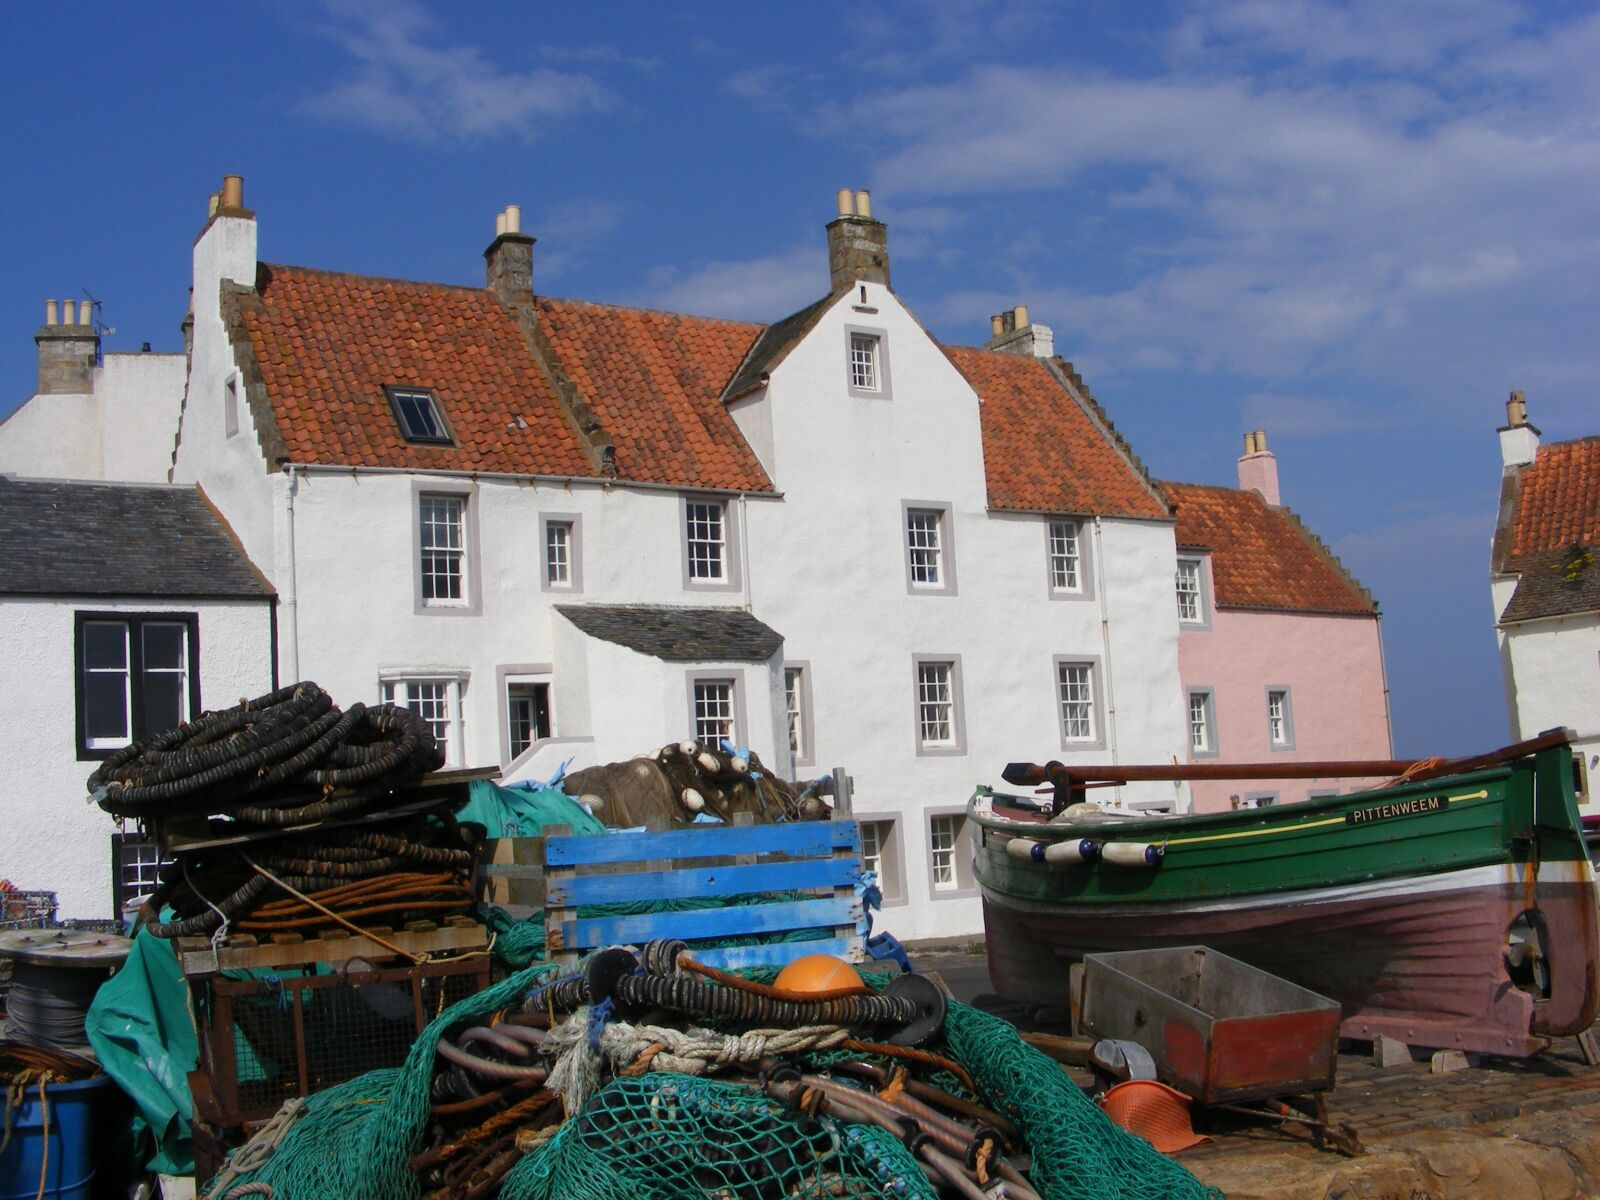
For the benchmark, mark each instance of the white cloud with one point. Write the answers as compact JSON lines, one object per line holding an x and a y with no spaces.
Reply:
{"x":762,"y":289}
{"x":408,"y":82}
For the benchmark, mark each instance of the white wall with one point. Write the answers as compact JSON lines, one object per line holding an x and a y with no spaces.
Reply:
{"x":1554,"y":680}
{"x":122,"y":432}
{"x":53,"y":839}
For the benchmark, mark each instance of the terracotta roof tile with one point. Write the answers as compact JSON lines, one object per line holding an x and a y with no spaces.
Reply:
{"x":1558,"y":500}
{"x":1262,"y":557}
{"x":654,"y":379}
{"x":327,"y":343}
{"x":1041,"y":451}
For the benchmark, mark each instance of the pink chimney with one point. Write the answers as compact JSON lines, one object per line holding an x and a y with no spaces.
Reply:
{"x":1258,"y":467}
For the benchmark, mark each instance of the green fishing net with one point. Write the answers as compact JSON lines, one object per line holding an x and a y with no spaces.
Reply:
{"x":665,"y":1136}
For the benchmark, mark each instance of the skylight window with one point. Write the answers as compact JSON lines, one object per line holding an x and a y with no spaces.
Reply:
{"x":417,"y":411}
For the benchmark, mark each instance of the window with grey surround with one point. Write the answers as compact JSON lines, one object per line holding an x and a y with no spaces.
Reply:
{"x":713,"y":701}
{"x":924,"y":544}
{"x":949,"y":851}
{"x":1191,"y":592}
{"x":442,"y":548}
{"x":1065,"y":558}
{"x":710,"y":543}
{"x":437,"y":700}
{"x":1075,"y":695}
{"x":1202,"y":723}
{"x":797,"y":712}
{"x":864,"y":374}
{"x":528,"y":718}
{"x":230,"y":407}
{"x":1280,"y":719}
{"x":558,"y":571}
{"x":137,"y":675}
{"x":939,"y":722}
{"x":881,"y":854}
{"x":417,"y":412}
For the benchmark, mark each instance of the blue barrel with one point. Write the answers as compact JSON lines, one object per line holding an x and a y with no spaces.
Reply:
{"x":73,"y":1144}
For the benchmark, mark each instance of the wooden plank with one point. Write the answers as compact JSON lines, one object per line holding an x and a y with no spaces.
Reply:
{"x":704,"y":881}
{"x":330,"y":948}
{"x":1072,"y":1051}
{"x":555,"y":924}
{"x":738,"y":921}
{"x":800,"y":839}
{"x":734,"y":958}
{"x":515,"y":870}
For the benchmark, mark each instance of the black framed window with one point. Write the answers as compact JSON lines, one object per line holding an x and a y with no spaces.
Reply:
{"x":419,"y":415}
{"x":138,"y":674}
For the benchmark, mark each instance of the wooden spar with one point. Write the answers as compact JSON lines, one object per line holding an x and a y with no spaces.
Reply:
{"x":1031,"y":773}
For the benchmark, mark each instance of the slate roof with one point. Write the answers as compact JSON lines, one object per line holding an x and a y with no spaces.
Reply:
{"x":60,"y":538}
{"x":1554,"y":533}
{"x":678,"y":634}
{"x":1261,"y":556}
{"x":769,"y":349}
{"x":1041,"y":450}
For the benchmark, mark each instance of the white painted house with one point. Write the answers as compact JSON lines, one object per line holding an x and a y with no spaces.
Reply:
{"x":124,"y":609}
{"x":570,"y":530}
{"x":1545,"y":583}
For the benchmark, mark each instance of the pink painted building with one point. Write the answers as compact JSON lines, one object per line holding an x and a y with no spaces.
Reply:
{"x":1278,"y":644}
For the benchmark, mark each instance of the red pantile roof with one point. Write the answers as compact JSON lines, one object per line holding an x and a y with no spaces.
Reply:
{"x":1041,"y":450}
{"x":654,"y":379}
{"x":1558,"y":500}
{"x":325,"y":345}
{"x":1262,"y":557}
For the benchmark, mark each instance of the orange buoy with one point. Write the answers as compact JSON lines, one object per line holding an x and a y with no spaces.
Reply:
{"x":820,"y":973}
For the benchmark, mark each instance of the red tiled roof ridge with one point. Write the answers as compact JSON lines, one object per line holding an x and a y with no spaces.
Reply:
{"x":359,"y":277}
{"x":646,"y":311}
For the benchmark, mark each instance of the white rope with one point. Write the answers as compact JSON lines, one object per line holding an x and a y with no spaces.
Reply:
{"x":576,"y":1073}
{"x":693,"y":1051}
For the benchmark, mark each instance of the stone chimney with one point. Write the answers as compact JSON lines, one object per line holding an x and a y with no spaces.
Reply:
{"x":1011,"y":333}
{"x":1519,"y":440}
{"x":68,"y":349}
{"x":858,"y":246}
{"x":508,"y":262}
{"x":1258,"y":467}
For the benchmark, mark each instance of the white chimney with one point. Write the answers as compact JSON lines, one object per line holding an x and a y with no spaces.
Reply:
{"x":1258,"y":467}
{"x":1519,"y":441}
{"x":1012,"y":333}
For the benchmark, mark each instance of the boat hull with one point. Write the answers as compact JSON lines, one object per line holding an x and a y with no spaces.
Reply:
{"x":1416,"y":951}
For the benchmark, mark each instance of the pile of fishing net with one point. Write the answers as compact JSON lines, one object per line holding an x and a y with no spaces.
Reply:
{"x":656,"y":1079}
{"x":683,"y":780}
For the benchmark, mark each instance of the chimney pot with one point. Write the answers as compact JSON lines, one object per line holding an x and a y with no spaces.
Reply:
{"x":1020,"y":312}
{"x":864,"y":205}
{"x":1250,"y":443}
{"x":69,"y":312}
{"x":1261,"y":441}
{"x":49,"y":312}
{"x":1516,"y":410}
{"x":211,"y":205}
{"x":513,"y":218}
{"x":233,"y":191}
{"x":997,"y":325}
{"x":86,"y":314}
{"x":846,"y":196}
{"x":500,"y":224}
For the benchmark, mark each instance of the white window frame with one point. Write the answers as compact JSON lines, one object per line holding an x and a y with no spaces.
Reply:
{"x":1201,"y":619}
{"x":891,"y":854}
{"x":133,"y":673}
{"x":1081,"y":588}
{"x":572,"y":524}
{"x":402,"y":688}
{"x":1073,"y":738}
{"x":734,"y":681}
{"x":962,"y":883}
{"x":943,"y":547}
{"x":1207,"y":711}
{"x":689,"y":516}
{"x":879,"y":341}
{"x":924,"y":673}
{"x":1280,"y":725}
{"x":798,"y":713}
{"x":469,"y":603}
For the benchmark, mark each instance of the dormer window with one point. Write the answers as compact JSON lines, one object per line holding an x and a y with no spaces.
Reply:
{"x":417,"y":411}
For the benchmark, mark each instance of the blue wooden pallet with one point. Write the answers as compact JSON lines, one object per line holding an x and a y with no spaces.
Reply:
{"x":820,"y":859}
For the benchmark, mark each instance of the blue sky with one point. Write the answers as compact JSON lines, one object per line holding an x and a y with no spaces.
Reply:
{"x":1355,"y":226}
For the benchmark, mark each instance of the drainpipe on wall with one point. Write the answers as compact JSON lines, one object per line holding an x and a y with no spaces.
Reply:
{"x":292,"y":603}
{"x":1105,"y":642}
{"x":744,"y":549}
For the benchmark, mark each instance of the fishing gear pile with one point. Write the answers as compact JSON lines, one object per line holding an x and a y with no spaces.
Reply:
{"x":292,"y":760}
{"x":654,"y":1075}
{"x":683,"y":780}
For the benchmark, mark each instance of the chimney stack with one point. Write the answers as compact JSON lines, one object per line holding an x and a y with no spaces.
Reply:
{"x":858,"y":246}
{"x":508,"y":262}
{"x":1519,"y":438}
{"x":1011,"y":332}
{"x":1258,"y":467}
{"x":68,"y":349}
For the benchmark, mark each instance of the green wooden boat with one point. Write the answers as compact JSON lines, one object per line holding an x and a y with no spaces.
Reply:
{"x":1456,"y":908}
